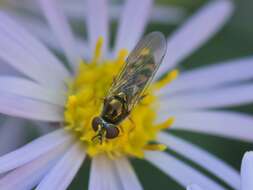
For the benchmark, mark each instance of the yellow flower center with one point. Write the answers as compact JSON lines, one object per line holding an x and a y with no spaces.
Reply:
{"x":85,"y":100}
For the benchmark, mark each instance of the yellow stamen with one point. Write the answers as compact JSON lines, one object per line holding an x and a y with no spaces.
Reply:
{"x":72,"y":102}
{"x":98,"y":50}
{"x":85,"y":101}
{"x":167,"y":79}
{"x":166,"y":124}
{"x":156,"y":147}
{"x":122,"y":56}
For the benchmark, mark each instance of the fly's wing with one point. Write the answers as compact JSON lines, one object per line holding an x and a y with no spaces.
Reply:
{"x":139,"y":69}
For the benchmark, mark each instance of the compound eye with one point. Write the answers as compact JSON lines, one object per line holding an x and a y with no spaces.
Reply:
{"x":112,"y":132}
{"x":95,"y":123}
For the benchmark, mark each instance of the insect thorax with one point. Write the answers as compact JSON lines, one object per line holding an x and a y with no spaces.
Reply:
{"x":115,"y":108}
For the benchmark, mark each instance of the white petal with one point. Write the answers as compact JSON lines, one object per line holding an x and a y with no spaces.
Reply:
{"x":195,"y":32}
{"x":30,"y":89}
{"x":179,"y":171}
{"x":203,"y":158}
{"x":194,"y":187}
{"x":132,"y":23}
{"x":12,"y":135}
{"x":65,"y":170}
{"x":62,"y":30}
{"x":97,"y":22}
{"x":30,"y":174}
{"x":103,"y":175}
{"x":211,"y":76}
{"x":247,"y":171}
{"x":213,"y":98}
{"x":43,"y":32}
{"x":6,"y":69}
{"x":220,"y":123}
{"x":19,"y":106}
{"x":29,"y":56}
{"x":34,"y":149}
{"x":127,"y":175}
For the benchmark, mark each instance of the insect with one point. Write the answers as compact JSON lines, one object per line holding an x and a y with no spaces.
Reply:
{"x":129,"y":86}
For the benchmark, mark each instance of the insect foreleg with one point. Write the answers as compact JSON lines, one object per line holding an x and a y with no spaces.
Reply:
{"x":133,"y":124}
{"x":141,"y":98}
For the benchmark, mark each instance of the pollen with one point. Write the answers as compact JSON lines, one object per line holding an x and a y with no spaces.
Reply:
{"x":86,"y":94}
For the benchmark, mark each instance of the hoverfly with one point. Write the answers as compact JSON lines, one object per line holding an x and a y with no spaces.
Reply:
{"x":129,"y":86}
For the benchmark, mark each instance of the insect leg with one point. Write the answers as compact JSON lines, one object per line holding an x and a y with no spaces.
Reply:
{"x":133,"y":124}
{"x":121,"y":128}
{"x":141,"y":98}
{"x":94,"y":139}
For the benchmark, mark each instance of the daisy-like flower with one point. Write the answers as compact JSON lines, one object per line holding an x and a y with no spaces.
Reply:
{"x":75,"y":11}
{"x":70,"y":98}
{"x":246,"y":174}
{"x":15,"y":136}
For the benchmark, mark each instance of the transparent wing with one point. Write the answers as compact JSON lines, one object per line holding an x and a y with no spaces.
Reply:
{"x":139,"y":69}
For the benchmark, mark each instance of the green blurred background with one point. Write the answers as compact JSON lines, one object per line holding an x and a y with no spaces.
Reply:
{"x":233,"y":41}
